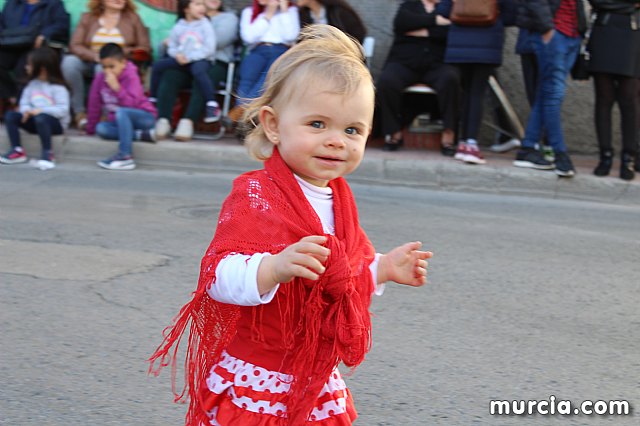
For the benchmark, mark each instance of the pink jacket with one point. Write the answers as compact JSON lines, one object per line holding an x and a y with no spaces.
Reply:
{"x":130,"y":95}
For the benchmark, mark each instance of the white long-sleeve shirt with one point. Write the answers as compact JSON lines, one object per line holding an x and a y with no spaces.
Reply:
{"x":237,"y":274}
{"x":283,"y":27}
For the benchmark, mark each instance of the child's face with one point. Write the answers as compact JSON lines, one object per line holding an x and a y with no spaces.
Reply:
{"x":322,"y":135}
{"x":113,"y":65}
{"x":212,"y":4}
{"x":196,"y":10}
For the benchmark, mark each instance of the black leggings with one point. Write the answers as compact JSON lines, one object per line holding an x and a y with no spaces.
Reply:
{"x":610,"y":88}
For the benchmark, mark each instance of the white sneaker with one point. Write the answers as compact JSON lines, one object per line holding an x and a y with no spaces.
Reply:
{"x":184,"y":131}
{"x":163,"y":128}
{"x":505,"y":146}
{"x":42,"y":164}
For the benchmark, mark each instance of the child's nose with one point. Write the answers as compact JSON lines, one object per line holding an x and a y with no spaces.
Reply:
{"x":336,"y":140}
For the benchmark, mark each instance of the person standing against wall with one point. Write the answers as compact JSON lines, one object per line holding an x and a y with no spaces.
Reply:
{"x":614,"y":47}
{"x":556,"y":27}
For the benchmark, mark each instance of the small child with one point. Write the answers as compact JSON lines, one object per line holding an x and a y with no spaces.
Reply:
{"x":285,"y":286}
{"x":192,"y":49}
{"x":130,"y":114}
{"x":44,"y":108}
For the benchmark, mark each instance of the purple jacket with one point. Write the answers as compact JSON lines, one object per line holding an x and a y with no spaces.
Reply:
{"x":101,"y":97}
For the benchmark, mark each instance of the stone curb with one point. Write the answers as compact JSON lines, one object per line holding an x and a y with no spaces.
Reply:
{"x":406,"y":168}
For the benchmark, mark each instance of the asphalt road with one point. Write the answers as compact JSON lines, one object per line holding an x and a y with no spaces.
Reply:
{"x":527,"y":298}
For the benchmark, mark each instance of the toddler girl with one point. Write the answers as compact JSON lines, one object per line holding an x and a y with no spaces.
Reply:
{"x":44,"y":108}
{"x":286,"y":283}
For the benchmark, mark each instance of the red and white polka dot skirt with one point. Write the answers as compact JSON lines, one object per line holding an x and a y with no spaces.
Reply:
{"x":240,"y":393}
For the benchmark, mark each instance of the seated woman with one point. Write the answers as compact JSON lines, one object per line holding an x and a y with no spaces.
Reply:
{"x":268,"y":29}
{"x":337,"y":13}
{"x":52,"y":20}
{"x":108,"y":21}
{"x":225,"y":27}
{"x":416,"y":56}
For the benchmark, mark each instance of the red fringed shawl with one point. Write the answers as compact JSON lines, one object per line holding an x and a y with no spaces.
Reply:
{"x":323,"y":322}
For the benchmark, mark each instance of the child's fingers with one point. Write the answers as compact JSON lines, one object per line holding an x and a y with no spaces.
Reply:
{"x":423,"y":254}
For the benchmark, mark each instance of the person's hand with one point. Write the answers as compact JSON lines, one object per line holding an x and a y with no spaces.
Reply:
{"x":422,"y":32}
{"x":429,"y":6}
{"x":38,"y":42}
{"x":303,"y":259}
{"x":441,"y":20}
{"x":28,"y":114}
{"x":405,"y":265}
{"x":270,"y":8}
{"x":546,"y":37}
{"x":284,"y":5}
{"x":182,"y":59}
{"x":111,"y":79}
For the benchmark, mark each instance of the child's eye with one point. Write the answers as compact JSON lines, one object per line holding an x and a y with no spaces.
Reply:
{"x":317,"y":124}
{"x":352,"y":131}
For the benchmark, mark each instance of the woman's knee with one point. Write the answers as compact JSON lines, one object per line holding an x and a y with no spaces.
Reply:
{"x":13,"y":117}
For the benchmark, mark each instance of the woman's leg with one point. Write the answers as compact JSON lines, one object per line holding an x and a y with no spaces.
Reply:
{"x":250,"y":69}
{"x":625,"y":96}
{"x":173,"y":81}
{"x":273,"y":53}
{"x":389,"y":93}
{"x":157,"y":71}
{"x":200,"y":72}
{"x":478,"y":82}
{"x":605,"y":96}
{"x":75,"y":70}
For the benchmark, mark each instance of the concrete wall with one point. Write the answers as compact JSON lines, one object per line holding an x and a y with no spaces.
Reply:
{"x":378,"y":16}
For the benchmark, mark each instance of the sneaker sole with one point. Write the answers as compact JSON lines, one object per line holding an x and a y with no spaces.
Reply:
{"x":7,"y":161}
{"x":472,"y":159}
{"x":459,"y":156}
{"x":530,"y":165}
{"x":563,"y":173}
{"x":211,"y":120}
{"x":503,"y":147}
{"x":108,"y":167}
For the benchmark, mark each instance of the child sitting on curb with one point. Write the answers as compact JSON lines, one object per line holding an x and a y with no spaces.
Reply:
{"x":130,"y":115}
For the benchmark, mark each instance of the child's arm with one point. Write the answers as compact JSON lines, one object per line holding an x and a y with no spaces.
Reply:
{"x":405,"y":265}
{"x":25,"y":100}
{"x":131,"y":91}
{"x":173,"y":48}
{"x":303,"y":259}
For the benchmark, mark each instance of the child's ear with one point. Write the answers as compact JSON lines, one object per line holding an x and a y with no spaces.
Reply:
{"x":269,"y":121}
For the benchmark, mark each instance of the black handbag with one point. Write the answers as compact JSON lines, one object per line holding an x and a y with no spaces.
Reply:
{"x":580,"y":69}
{"x":19,"y":37}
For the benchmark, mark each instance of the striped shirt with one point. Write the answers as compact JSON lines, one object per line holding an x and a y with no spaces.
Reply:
{"x":566,"y":19}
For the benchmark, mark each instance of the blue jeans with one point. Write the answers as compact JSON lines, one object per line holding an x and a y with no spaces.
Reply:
{"x":127,"y":121}
{"x":199,"y":70}
{"x":555,"y":60}
{"x":254,"y":68}
{"x":44,"y":125}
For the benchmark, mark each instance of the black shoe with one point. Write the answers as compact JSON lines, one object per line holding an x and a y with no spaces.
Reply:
{"x":531,"y":158}
{"x":604,"y":166}
{"x":448,"y":150}
{"x":564,"y":166}
{"x":626,"y":167}
{"x":391,"y":145}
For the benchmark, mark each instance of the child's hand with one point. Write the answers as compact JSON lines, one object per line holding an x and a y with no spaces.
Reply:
{"x":30,"y":113}
{"x":405,"y":265}
{"x":112,"y":81}
{"x":303,"y":259}
{"x":182,"y":60}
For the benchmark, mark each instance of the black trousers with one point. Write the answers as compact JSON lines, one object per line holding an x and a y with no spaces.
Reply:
{"x":475,"y":80}
{"x":610,"y":89}
{"x":12,"y":60}
{"x":395,"y":77}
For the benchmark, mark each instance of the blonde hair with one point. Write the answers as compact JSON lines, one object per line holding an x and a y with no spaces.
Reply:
{"x":324,"y":54}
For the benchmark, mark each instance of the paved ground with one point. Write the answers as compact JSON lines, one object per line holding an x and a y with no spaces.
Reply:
{"x":528,"y":297}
